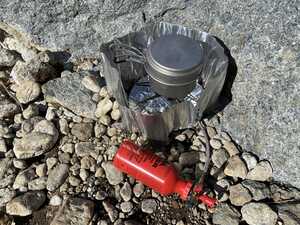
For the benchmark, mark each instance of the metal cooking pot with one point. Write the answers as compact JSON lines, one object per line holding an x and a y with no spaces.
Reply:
{"x":173,"y":63}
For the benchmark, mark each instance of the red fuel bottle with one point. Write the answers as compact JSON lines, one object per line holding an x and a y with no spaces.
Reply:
{"x":152,"y":171}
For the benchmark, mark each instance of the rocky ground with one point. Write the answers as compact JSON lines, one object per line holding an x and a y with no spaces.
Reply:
{"x":59,"y":130}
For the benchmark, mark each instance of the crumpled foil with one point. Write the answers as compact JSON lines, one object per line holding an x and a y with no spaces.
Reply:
{"x":142,"y":109}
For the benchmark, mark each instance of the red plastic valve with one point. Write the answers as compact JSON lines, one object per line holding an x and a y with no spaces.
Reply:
{"x":155,"y":173}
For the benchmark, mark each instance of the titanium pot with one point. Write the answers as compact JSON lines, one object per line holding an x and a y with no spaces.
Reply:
{"x":173,"y":63}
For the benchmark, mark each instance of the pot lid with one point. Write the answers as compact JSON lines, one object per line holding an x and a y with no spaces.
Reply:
{"x":175,"y":56}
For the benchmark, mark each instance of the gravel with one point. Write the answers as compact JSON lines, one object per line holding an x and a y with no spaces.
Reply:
{"x":149,"y":206}
{"x":236,"y":167}
{"x":57,"y":176}
{"x":261,"y":172}
{"x":113,"y":175}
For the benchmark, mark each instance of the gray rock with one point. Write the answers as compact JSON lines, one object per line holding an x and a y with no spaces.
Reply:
{"x":189,"y":158}
{"x":87,"y":162}
{"x":41,"y":170}
{"x":38,"y":184}
{"x":115,"y":114}
{"x":226,"y":215}
{"x":7,"y":181}
{"x":55,"y":200}
{"x":215,"y":143}
{"x":126,"y":207}
{"x":68,"y":92}
{"x":111,"y":211}
{"x":57,"y":176}
{"x":103,"y":107}
{"x":8,"y":109}
{"x":250,"y":160}
{"x":149,"y":206}
{"x":5,"y":164}
{"x":31,"y":111}
{"x":34,"y":144}
{"x":219,"y":157}
{"x":261,"y":172}
{"x":239,"y":195}
{"x":77,"y":211}
{"x":289,"y":213}
{"x":138,"y":189}
{"x":258,"y":214}
{"x":230,"y":148}
{"x":7,"y":58}
{"x":6,"y":194}
{"x":236,"y":167}
{"x":264,"y":130}
{"x":74,"y":181}
{"x":26,"y":204}
{"x":84,"y":148}
{"x":126,"y":192}
{"x":37,"y":69}
{"x":91,"y":83}
{"x":23,"y":178}
{"x":257,"y":189}
{"x":113,"y":175}
{"x":28,"y":91}
{"x":83,"y":131}
{"x":3,"y":147}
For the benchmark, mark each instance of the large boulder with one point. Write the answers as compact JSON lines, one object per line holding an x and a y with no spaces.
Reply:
{"x":263,"y":114}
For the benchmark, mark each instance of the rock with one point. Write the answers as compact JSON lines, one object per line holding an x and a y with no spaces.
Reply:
{"x":250,"y":160}
{"x":8,"y":109}
{"x":27,"y":52}
{"x":149,"y":206}
{"x":99,"y":130}
{"x":126,"y":192}
{"x":55,"y":200}
{"x":257,"y":189}
{"x":38,"y":184}
{"x":68,"y":92}
{"x":23,"y":178}
{"x":26,"y":204}
{"x":113,"y":175}
{"x":83,"y":174}
{"x":31,"y":111}
{"x":239,"y":195}
{"x":7,"y":181}
{"x":215,"y":143}
{"x":258,"y":214}
{"x":63,"y":126}
{"x":84,"y":148}
{"x":74,"y":181}
{"x":138,"y":189}
{"x":6,"y":194}
{"x":3,"y":147}
{"x":111,"y":211}
{"x":289,"y":213}
{"x":103,"y":92}
{"x":236,"y":167}
{"x":180,"y":137}
{"x":39,"y":141}
{"x":5,"y":164}
{"x":83,"y":131}
{"x":37,"y":69}
{"x":115,"y":114}
{"x":51,"y":162}
{"x":280,"y":192}
{"x":230,"y":148}
{"x":111,"y":131}
{"x":90,"y":82}
{"x":126,"y":207}
{"x":57,"y":176}
{"x":41,"y":170}
{"x":189,"y":158}
{"x":77,"y":211}
{"x":28,"y":91}
{"x":211,"y":131}
{"x":219,"y":157}
{"x":105,"y":120}
{"x":87,"y":162}
{"x":7,"y":58}
{"x":111,"y":151}
{"x":103,"y":107}
{"x":226,"y":215}
{"x":261,"y":172}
